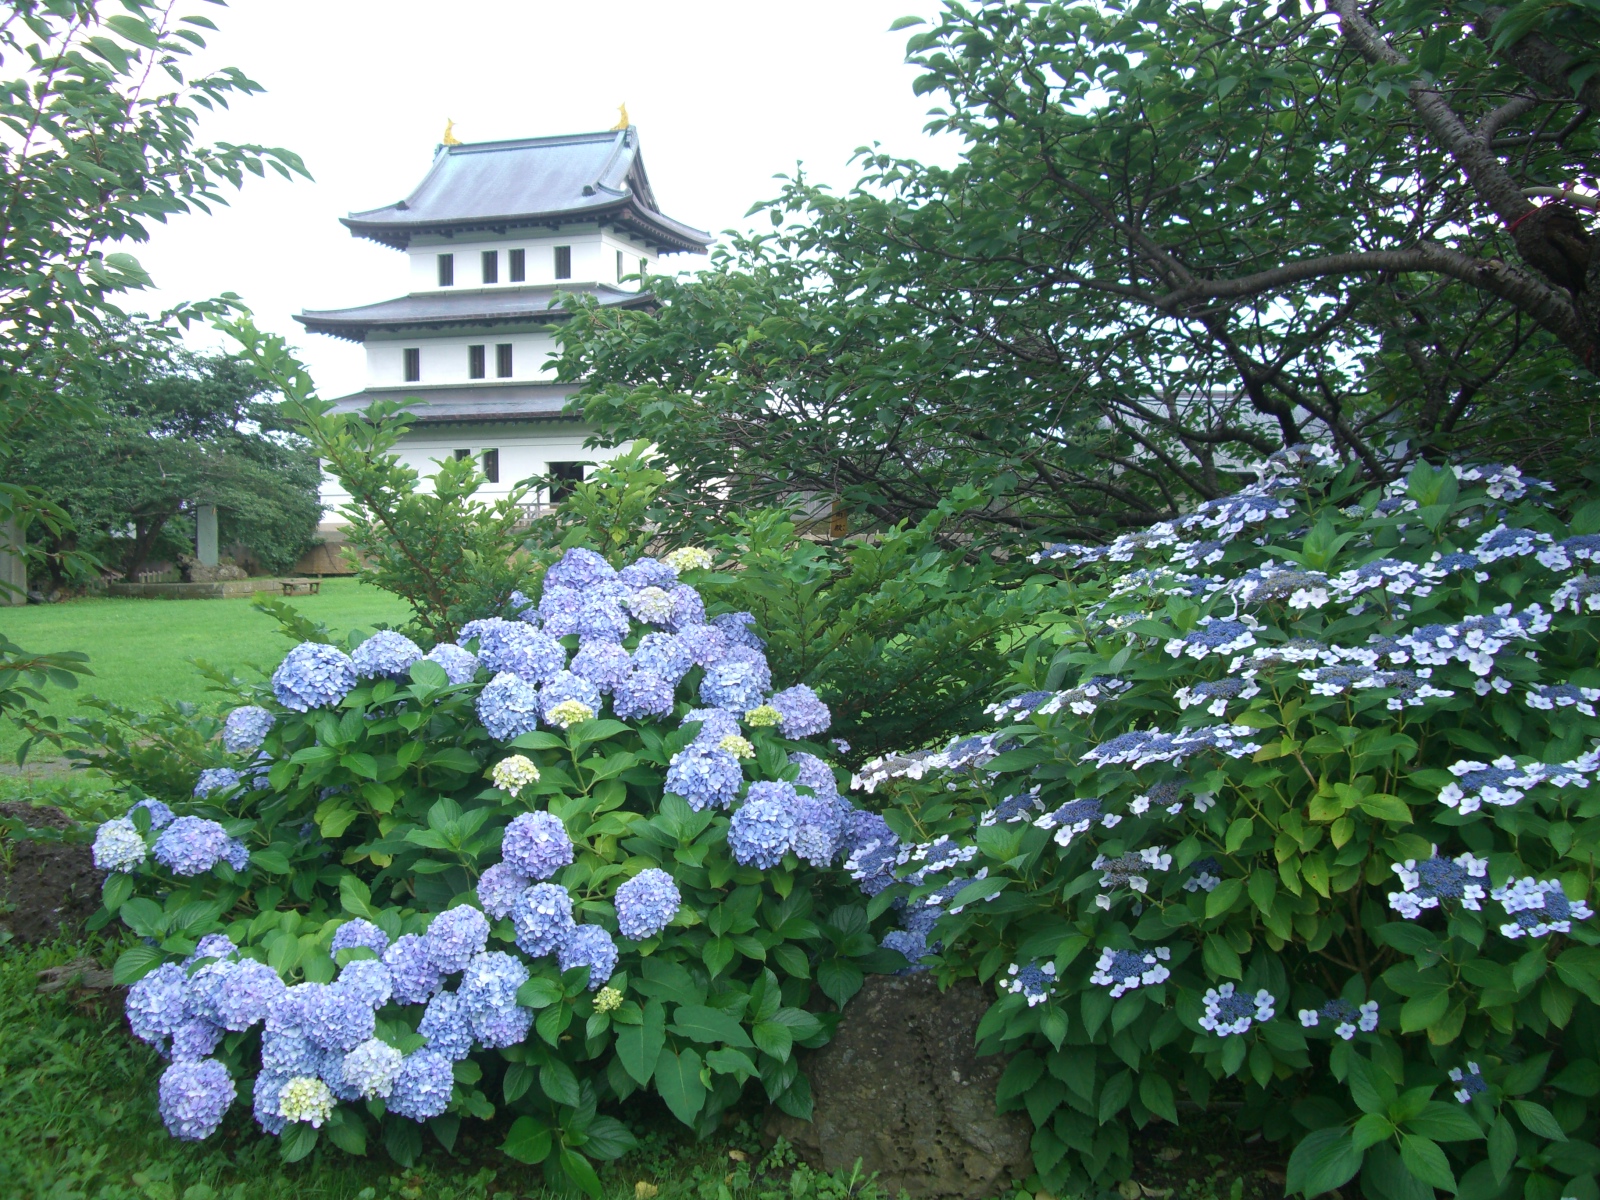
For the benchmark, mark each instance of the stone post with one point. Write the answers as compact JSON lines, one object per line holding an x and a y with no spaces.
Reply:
{"x":205,"y":535}
{"x":13,"y":565}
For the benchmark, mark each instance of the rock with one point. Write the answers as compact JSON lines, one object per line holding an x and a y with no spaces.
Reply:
{"x":901,"y":1088}
{"x":47,"y":886}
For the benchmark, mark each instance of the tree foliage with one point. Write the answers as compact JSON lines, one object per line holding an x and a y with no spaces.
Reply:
{"x":1178,"y":237}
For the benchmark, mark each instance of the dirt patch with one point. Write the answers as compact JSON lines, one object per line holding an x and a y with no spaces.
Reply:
{"x":47,"y":887}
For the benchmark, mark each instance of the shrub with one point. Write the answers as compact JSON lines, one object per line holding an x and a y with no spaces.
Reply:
{"x":1298,"y":820}
{"x":432,"y":887}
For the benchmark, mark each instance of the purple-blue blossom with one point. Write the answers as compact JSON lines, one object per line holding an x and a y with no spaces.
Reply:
{"x":386,"y":655}
{"x":803,"y":713}
{"x":763,"y":828}
{"x":156,"y":1004}
{"x":536,"y":844}
{"x":642,"y":694}
{"x":532,"y":655}
{"x":333,"y":1019}
{"x":736,"y":684}
{"x":1033,"y":981}
{"x":579,"y":568}
{"x":459,"y":665}
{"x":191,"y":845}
{"x":646,"y":903}
{"x":359,"y":932}
{"x":246,"y":728}
{"x":194,"y":1097}
{"x":498,"y":1028}
{"x":568,"y":687}
{"x":1228,"y":1012}
{"x":414,"y":975}
{"x":368,"y":980}
{"x":1124,"y":970}
{"x":1343,"y":1017}
{"x":665,"y":654}
{"x":688,"y":609}
{"x":591,"y":946}
{"x":160,"y":814}
{"x":244,"y":995}
{"x":704,"y":777}
{"x":498,"y":888}
{"x":646,"y":572}
{"x":422,"y":1088}
{"x":215,"y":779}
{"x":604,"y":664}
{"x":739,"y":629}
{"x":372,"y":1068}
{"x":447,"y":1026}
{"x":542,"y":917}
{"x":508,"y":707}
{"x":455,"y":936}
{"x":491,"y":981}
{"x":313,"y":675}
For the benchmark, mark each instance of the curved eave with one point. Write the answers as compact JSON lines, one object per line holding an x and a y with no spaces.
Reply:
{"x":663,"y":231}
{"x":356,"y":329}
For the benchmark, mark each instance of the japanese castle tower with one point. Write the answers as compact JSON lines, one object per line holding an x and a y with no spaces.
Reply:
{"x":493,"y":231}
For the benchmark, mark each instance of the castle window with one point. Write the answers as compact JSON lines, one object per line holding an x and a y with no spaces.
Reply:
{"x":475,"y":362}
{"x":619,"y":266}
{"x":413,"y":356}
{"x":502,"y":360}
{"x":462,"y":455}
{"x":491,"y":465}
{"x":563,"y":476}
{"x":518,"y":266}
{"x":447,"y":270}
{"x":563,"y":262}
{"x":491,"y":266}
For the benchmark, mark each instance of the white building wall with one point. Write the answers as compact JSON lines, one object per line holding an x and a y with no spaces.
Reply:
{"x":593,"y":258}
{"x":445,"y":359}
{"x":526,"y":449}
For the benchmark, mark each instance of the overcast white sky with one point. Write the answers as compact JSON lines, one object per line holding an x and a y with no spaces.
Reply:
{"x":726,"y":94}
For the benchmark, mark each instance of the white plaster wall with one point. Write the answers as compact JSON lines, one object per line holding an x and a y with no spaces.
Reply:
{"x":526,"y":449}
{"x":444,"y":359}
{"x":593,"y":258}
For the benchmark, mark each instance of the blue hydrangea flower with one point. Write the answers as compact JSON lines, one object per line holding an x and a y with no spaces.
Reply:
{"x":704,"y":777}
{"x":592,"y":946}
{"x":1431,"y":880}
{"x":738,"y":681}
{"x":652,"y":605}
{"x":213,"y":945}
{"x":529,"y":654}
{"x":508,"y":707}
{"x":1538,"y":907}
{"x":763,"y":829}
{"x":455,"y":936}
{"x":642,"y":694}
{"x":687,"y":608}
{"x":243,"y":995}
{"x":422,"y":1089}
{"x":194,"y":1097}
{"x":368,"y":980}
{"x":497,"y":1028}
{"x":646,"y":572}
{"x":604,"y":664}
{"x":646,"y":903}
{"x":287,"y":1013}
{"x":804,"y":715}
{"x":372,"y":1068}
{"x":191,"y":845}
{"x":313,"y":675}
{"x":536,"y":844}
{"x":268,"y":1087}
{"x":246,"y":728}
{"x":872,"y":851}
{"x":739,"y":629}
{"x":215,"y":779}
{"x":447,"y":1027}
{"x":359,"y":932}
{"x":1471,"y":1081}
{"x":193,"y":1040}
{"x":818,"y":824}
{"x":499,"y":887}
{"x":491,"y":981}
{"x":567,"y":686}
{"x":412,"y":972}
{"x":1344,"y":1017}
{"x":386,"y":655}
{"x":706,"y":643}
{"x":160,"y":814}
{"x":118,"y":846}
{"x":290,"y":1054}
{"x":236,"y":854}
{"x":335,"y":1019}
{"x":1124,"y":970}
{"x":665,"y":654}
{"x":542,"y":917}
{"x":815,"y":774}
{"x":1228,"y":1012}
{"x":156,"y":1004}
{"x":579,"y":568}
{"x":459,"y":665}
{"x":1032,"y":981}
{"x":558,"y":610}
{"x":715,"y":725}
{"x":602,"y":618}
{"x":913,"y":945}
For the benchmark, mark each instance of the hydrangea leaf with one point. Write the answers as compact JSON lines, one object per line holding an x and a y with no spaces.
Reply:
{"x":639,"y":1046}
{"x":528,"y":1141}
{"x":677,"y":1077}
{"x":708,"y":1025}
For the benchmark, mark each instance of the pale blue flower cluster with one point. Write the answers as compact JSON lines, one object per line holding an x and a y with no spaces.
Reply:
{"x":1124,"y":970}
{"x":413,"y":973}
{"x":359,"y":932}
{"x":646,"y":904}
{"x":1538,"y":907}
{"x":460,"y":666}
{"x":118,"y":846}
{"x":704,"y":777}
{"x":1431,"y":881}
{"x":455,"y":937}
{"x":313,"y":675}
{"x":194,"y":1097}
{"x":1228,"y":1012}
{"x":215,"y":779}
{"x":763,"y":828}
{"x":246,"y":728}
{"x":1032,"y":981}
{"x":802,"y":713}
{"x":1344,"y":1018}
{"x":591,"y":946}
{"x":642,"y":694}
{"x":508,"y":707}
{"x":536,"y":845}
{"x":191,"y":845}
{"x":542,"y":918}
{"x":386,"y":655}
{"x":421,"y":1090}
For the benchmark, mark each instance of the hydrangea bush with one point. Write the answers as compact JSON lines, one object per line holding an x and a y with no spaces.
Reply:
{"x":521,"y":876}
{"x":1299,"y":815}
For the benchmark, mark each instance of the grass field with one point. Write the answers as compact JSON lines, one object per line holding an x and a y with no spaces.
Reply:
{"x":140,"y":650}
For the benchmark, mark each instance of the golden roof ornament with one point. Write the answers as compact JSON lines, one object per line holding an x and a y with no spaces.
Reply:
{"x":622,"y":117}
{"x":450,"y":138}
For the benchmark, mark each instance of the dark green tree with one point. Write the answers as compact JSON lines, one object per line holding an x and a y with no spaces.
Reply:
{"x":1179,"y":237}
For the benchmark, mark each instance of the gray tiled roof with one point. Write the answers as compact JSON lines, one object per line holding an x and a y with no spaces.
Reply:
{"x":460,"y":307}
{"x":527,"y":182}
{"x":471,"y":402}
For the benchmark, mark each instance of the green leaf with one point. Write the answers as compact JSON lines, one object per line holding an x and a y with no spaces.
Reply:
{"x":1371,"y":1129}
{"x":699,"y":1023}
{"x":346,"y":1132}
{"x":355,"y":897}
{"x":1502,"y":1148}
{"x":1325,"y":1159}
{"x":678,"y":1083}
{"x":134,"y":963}
{"x":1155,"y":1093}
{"x":839,"y":980}
{"x":540,"y":992}
{"x":578,"y":1169}
{"x":560,"y":1083}
{"x":116,"y":891}
{"x":1220,"y":958}
{"x":608,"y":1138}
{"x":141,"y":33}
{"x":528,"y":1142}
{"x":1223,"y":897}
{"x":1537,"y":1119}
{"x":1426,"y":1162}
{"x":1423,"y":1010}
{"x":639,"y":1046}
{"x":298,"y":1140}
{"x":774,"y":1039}
{"x":1445,"y":1123}
{"x":727,"y":1061}
{"x":1386,"y":808}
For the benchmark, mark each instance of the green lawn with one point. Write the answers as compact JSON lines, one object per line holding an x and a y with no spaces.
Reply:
{"x":139,"y":650}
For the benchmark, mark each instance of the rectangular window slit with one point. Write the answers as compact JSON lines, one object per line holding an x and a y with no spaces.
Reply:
{"x":413,"y":363}
{"x":475,"y":362}
{"x":517,"y":268}
{"x":447,"y":270}
{"x":491,"y":266}
{"x":563,"y":262}
{"x":502,"y":360}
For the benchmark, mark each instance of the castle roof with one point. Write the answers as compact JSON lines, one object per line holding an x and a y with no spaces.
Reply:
{"x":531,"y":182}
{"x":462,"y":308}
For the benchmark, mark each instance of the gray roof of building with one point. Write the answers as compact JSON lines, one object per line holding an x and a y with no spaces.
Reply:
{"x":499,"y":186}
{"x":474,"y":403}
{"x":455,"y":308}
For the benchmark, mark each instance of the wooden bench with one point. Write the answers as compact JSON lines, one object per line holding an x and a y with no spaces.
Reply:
{"x":301,"y":587}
